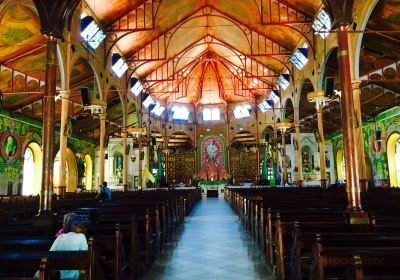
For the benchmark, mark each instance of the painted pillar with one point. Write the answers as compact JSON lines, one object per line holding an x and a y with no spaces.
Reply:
{"x":124,"y":159}
{"x":46,"y":191}
{"x":63,"y":142}
{"x":284,"y":162}
{"x":347,"y":105}
{"x":299,"y":156}
{"x":103,"y":117}
{"x":166,"y":165}
{"x":359,"y":136}
{"x":322,"y":164}
{"x":276,"y":155}
{"x":140,"y":148}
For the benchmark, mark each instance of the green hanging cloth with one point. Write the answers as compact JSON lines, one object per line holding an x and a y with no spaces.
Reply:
{"x":160,"y":168}
{"x":264,"y":170}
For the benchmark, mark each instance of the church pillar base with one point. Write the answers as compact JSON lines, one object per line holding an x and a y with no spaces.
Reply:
{"x":300,"y":183}
{"x":364,"y":185}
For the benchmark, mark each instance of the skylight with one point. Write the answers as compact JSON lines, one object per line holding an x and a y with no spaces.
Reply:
{"x":242,"y":111}
{"x":300,"y":58}
{"x":136,"y":87}
{"x":119,"y":65}
{"x":265,"y":106}
{"x":322,"y":24}
{"x":283,"y":81}
{"x":148,"y":101}
{"x":211,"y":114}
{"x":158,"y":109}
{"x":274,"y":96}
{"x":180,"y":113}
{"x":91,"y":32}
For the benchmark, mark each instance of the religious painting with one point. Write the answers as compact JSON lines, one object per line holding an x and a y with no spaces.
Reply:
{"x":9,"y":147}
{"x":212,"y":152}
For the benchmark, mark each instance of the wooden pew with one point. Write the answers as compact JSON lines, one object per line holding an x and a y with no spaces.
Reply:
{"x":17,"y":264}
{"x":360,"y":260}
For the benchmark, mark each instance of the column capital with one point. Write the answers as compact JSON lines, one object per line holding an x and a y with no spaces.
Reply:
{"x":355,"y":84}
{"x":54,"y":15}
{"x":124,"y":130}
{"x":297,"y":124}
{"x":340,"y":11}
{"x":64,"y":94}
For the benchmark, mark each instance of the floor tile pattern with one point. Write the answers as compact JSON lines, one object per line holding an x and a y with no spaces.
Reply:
{"x":211,"y":245}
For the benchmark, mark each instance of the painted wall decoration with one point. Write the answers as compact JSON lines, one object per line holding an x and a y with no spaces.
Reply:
{"x":213,"y":158}
{"x":387,"y":122}
{"x":10,"y":148}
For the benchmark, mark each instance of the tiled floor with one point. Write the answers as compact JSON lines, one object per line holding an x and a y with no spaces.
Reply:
{"x":212,"y":245}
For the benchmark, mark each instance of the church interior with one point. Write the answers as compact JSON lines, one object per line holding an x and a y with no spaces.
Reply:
{"x":200,"y":139}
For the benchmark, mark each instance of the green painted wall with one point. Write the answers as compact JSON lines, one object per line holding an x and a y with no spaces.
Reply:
{"x":376,"y":156}
{"x":26,"y":130}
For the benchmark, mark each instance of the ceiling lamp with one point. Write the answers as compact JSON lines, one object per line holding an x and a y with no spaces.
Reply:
{"x":322,"y":24}
{"x":300,"y":58}
{"x":119,"y":65}
{"x":283,"y":81}
{"x":91,"y":32}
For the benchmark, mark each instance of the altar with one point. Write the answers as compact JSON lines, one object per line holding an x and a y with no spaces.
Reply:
{"x":212,"y":188}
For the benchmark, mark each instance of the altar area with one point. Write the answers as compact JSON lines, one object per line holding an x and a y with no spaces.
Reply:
{"x":212,"y":188}
{"x":212,"y":165}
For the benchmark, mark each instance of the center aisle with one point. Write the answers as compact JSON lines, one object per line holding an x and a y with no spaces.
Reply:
{"x":212,"y":245}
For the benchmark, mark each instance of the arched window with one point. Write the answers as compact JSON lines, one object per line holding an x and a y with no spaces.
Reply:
{"x":29,"y":172}
{"x":393,"y":157}
{"x":343,"y":167}
{"x":397,"y":160}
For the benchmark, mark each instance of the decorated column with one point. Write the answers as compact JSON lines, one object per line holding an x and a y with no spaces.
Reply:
{"x":341,"y":13}
{"x":319,"y":98}
{"x":284,"y":161}
{"x":140,"y":148}
{"x":63,"y":141}
{"x":46,"y":192}
{"x":124,"y":159}
{"x":300,"y":179}
{"x":322,"y":163}
{"x":103,"y":117}
{"x":359,"y":135}
{"x":53,"y":14}
{"x":283,"y":126}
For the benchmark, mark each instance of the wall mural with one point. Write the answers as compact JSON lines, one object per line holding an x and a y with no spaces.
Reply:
{"x":386,"y":122}
{"x":213,"y":158}
{"x":15,"y":133}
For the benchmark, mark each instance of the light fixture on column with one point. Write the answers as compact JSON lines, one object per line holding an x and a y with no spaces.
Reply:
{"x":283,"y":126}
{"x":319,"y":98}
{"x":94,"y":105}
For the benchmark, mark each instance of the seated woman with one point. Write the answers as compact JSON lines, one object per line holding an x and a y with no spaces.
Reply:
{"x":67,"y":217}
{"x":73,"y":239}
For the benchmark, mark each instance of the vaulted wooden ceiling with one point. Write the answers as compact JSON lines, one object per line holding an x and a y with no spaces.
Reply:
{"x":206,"y":51}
